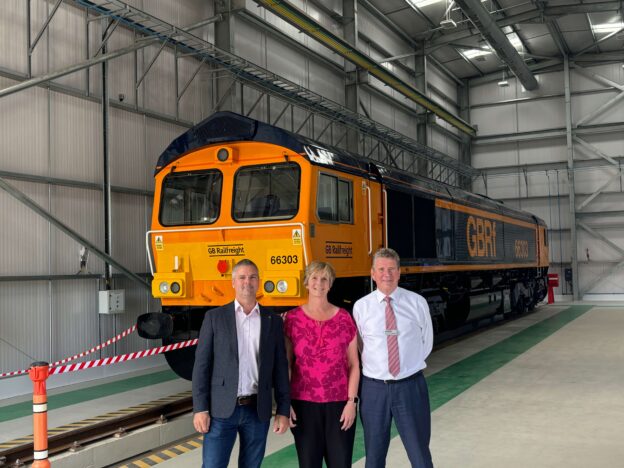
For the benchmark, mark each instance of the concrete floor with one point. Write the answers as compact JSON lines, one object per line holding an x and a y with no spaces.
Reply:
{"x":559,"y":403}
{"x":545,"y":390}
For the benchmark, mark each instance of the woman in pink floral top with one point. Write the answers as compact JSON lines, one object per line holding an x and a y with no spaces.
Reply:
{"x":324,"y":374}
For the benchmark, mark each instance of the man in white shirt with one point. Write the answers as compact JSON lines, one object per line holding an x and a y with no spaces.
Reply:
{"x":240,"y":356}
{"x":396,"y":336}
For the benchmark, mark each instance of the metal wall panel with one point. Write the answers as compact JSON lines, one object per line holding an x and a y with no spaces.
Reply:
{"x":158,"y":87}
{"x":76,"y":138}
{"x":285,"y":61}
{"x":326,"y":82}
{"x":67,"y":36}
{"x":81,"y":210}
{"x":129,"y":228}
{"x":129,"y":166}
{"x":136,"y":304}
{"x":375,"y":30}
{"x":74,"y":318}
{"x":503,"y":154}
{"x":13,"y":35}
{"x":190,"y":104}
{"x":249,"y":42}
{"x":489,"y":92}
{"x":440,"y":81}
{"x":613,"y":71}
{"x":549,"y":83}
{"x":587,"y":104}
{"x":121,"y":71}
{"x":25,"y":248}
{"x":541,"y":115}
{"x":589,"y":180}
{"x":542,"y":151}
{"x":24,"y":324}
{"x":24,"y":130}
{"x":495,"y":120}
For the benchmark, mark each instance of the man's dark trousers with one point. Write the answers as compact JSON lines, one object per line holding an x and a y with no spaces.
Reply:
{"x":407,"y":402}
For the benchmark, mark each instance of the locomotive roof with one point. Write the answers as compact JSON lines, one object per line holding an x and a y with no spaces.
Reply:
{"x":224,"y":127}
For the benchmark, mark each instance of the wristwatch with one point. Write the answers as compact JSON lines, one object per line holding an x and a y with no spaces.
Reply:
{"x":354,"y":399}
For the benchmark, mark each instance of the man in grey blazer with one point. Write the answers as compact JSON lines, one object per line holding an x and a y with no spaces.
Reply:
{"x":240,"y":356}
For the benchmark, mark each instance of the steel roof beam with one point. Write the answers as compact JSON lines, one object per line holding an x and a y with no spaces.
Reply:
{"x":499,"y":41}
{"x":299,"y":19}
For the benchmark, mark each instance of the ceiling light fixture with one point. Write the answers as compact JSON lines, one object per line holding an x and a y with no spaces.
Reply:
{"x":447,"y":22}
{"x":417,"y":4}
{"x":503,"y":83}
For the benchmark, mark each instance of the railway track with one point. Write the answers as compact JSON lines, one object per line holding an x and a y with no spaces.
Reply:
{"x":161,"y":410}
{"x":73,"y":440}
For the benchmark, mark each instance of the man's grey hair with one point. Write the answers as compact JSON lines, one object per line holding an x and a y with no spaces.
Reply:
{"x":387,"y":253}
{"x":242,"y":263}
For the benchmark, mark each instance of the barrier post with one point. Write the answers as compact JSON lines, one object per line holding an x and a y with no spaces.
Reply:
{"x":38,"y":373}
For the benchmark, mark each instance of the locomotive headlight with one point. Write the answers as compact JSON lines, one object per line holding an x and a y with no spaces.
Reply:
{"x":282,"y":286}
{"x":175,"y":287}
{"x":269,"y":286}
{"x":223,"y":155}
{"x":164,"y":287}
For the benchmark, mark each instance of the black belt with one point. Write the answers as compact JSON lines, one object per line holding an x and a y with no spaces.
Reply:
{"x":246,"y":400}
{"x":393,"y":381}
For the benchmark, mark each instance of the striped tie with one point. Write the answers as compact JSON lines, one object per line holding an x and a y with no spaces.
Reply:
{"x":394,"y":364}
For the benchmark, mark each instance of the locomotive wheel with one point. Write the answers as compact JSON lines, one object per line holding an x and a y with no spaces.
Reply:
{"x":181,"y":360}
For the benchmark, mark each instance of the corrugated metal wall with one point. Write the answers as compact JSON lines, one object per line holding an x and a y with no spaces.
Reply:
{"x":58,"y":133}
{"x":545,"y":191}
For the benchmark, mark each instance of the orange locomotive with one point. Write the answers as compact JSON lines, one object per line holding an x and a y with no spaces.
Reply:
{"x":233,"y":187}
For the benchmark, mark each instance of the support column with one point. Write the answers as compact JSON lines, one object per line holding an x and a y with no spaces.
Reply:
{"x":465,"y":154}
{"x":353,"y":78}
{"x":420,"y":67}
{"x":224,"y":88}
{"x":571,"y":186}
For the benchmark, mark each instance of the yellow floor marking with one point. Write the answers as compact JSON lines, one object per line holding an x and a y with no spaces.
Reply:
{"x":169,"y":453}
{"x":194,"y":444}
{"x":182,"y":448}
{"x":141,"y":464}
{"x":156,"y":458}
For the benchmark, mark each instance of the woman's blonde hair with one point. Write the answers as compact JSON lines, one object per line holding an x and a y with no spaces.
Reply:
{"x":319,"y":267}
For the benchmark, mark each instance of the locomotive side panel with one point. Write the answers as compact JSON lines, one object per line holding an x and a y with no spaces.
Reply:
{"x":481,"y":236}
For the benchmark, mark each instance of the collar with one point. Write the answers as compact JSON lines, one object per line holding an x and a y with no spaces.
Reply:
{"x":238,"y":308}
{"x":381,"y":296}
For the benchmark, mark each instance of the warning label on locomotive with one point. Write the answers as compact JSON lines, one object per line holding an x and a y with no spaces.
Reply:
{"x":337,"y":249}
{"x":158,"y":242}
{"x":296,"y":236}
{"x":226,"y":250}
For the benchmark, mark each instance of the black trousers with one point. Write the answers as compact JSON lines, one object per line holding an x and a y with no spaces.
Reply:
{"x":318,"y":435}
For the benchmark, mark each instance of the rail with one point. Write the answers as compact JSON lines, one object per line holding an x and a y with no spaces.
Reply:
{"x":23,"y":453}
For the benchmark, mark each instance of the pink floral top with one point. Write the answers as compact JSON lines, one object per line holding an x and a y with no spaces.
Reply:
{"x":321,"y":368}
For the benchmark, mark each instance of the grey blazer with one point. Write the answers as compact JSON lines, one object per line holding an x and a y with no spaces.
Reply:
{"x":215,"y":373}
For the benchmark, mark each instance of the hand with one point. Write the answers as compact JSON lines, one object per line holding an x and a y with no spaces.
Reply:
{"x":281,"y":424}
{"x":201,"y":421}
{"x":293,"y":418}
{"x":347,"y":418}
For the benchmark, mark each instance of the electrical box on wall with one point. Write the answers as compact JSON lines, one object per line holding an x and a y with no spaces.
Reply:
{"x":112,"y":301}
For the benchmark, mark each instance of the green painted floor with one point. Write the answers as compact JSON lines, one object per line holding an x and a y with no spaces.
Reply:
{"x":444,"y":385}
{"x":61,"y":400}
{"x":457,"y":378}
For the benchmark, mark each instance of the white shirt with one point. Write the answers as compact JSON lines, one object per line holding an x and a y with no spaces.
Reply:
{"x":248,"y":333}
{"x":414,"y":326}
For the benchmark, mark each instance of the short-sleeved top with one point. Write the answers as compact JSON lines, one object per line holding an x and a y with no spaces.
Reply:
{"x":320,"y":372}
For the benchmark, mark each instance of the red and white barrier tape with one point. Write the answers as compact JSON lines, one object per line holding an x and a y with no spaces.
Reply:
{"x":106,"y":343}
{"x":123,"y":334}
{"x":124,"y":357}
